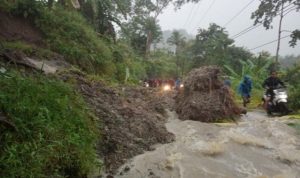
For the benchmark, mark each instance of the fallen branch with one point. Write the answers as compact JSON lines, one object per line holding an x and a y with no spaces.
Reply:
{"x":18,"y":58}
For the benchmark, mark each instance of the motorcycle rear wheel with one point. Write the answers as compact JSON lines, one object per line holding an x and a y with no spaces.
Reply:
{"x":283,"y":108}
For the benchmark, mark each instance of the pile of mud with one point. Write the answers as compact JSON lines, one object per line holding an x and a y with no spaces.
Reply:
{"x":131,"y":119}
{"x":205,"y":98}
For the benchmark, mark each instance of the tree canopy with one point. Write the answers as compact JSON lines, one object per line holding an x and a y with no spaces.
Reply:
{"x":269,"y":9}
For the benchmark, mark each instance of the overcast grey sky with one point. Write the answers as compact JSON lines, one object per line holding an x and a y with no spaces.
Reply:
{"x":191,"y":16}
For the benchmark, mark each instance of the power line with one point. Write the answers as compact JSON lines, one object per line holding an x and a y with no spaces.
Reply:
{"x":248,"y":29}
{"x":189,"y":16}
{"x":290,"y":10}
{"x":245,"y":7}
{"x":291,"y":3}
{"x":204,"y":15}
{"x":195,"y":12}
{"x":269,"y":43}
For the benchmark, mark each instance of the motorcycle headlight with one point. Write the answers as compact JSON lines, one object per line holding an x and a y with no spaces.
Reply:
{"x":282,"y":96}
{"x":167,"y":88}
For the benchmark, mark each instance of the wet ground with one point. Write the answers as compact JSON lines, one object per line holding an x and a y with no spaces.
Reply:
{"x":257,"y":146}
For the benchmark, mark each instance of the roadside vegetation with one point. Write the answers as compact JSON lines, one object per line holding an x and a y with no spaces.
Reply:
{"x":53,"y":134}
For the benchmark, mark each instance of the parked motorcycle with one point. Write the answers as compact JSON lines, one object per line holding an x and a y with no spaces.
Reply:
{"x":277,"y":104}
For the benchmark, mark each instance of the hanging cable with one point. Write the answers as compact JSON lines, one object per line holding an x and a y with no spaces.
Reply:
{"x":189,"y":16}
{"x":269,"y":43}
{"x":236,"y":15}
{"x":195,"y":12}
{"x":206,"y":12}
{"x":248,"y":29}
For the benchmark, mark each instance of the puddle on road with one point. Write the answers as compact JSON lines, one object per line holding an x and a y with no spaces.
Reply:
{"x":257,"y":147}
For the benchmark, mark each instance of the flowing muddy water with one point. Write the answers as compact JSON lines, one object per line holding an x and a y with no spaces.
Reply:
{"x":257,"y":146}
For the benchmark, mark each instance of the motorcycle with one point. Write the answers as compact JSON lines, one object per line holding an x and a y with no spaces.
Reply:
{"x":146,"y":84}
{"x":166,"y":87}
{"x":277,"y":104}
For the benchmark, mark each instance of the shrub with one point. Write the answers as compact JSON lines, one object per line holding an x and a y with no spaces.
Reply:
{"x":292,"y":76}
{"x":54,"y":133}
{"x":68,"y":33}
{"x":26,"y":8}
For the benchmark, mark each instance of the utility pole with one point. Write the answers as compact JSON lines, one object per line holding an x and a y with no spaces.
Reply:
{"x":279,"y":33}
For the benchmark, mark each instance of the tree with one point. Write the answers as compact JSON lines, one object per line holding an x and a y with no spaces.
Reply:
{"x":50,"y":3}
{"x":136,"y":30}
{"x":151,"y":9}
{"x":178,"y":40}
{"x":234,"y":55}
{"x":262,"y":58}
{"x":269,"y":9}
{"x":295,"y":36}
{"x":211,"y":46}
{"x":103,"y":13}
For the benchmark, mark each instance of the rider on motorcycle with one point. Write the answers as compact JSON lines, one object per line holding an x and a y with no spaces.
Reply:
{"x":271,"y":83}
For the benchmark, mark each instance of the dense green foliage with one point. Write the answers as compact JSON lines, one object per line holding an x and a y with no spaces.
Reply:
{"x":257,"y":68}
{"x":161,"y":65}
{"x":67,"y":33}
{"x":211,"y":46}
{"x":292,"y":76}
{"x":54,"y":135}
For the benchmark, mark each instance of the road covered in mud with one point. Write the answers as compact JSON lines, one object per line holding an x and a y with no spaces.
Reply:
{"x":256,"y":146}
{"x":147,"y":132}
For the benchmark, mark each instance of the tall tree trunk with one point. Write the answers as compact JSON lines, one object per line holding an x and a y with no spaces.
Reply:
{"x":148,"y":43}
{"x":50,"y":4}
{"x":81,"y":2}
{"x":62,"y":3}
{"x":182,"y":67}
{"x":75,"y":4}
{"x":177,"y":61}
{"x":279,"y":34}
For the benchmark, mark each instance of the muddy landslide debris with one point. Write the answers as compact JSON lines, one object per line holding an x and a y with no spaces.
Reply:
{"x":205,"y":98}
{"x":131,"y":119}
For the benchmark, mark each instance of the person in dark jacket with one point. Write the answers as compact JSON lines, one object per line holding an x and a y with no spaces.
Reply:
{"x":269,"y":84}
{"x":244,"y":89}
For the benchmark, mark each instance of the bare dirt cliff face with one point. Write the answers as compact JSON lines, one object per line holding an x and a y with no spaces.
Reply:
{"x":205,"y":98}
{"x":16,"y":28}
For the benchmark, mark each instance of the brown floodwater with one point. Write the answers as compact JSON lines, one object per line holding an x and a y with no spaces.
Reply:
{"x":256,"y":147}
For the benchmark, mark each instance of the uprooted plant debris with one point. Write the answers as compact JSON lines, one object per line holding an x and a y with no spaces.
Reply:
{"x":131,"y":119}
{"x":205,"y":98}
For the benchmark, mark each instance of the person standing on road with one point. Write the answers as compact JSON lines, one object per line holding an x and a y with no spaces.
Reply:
{"x":244,"y":89}
{"x":177,"y":84}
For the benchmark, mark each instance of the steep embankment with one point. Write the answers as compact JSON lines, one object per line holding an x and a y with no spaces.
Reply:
{"x":50,"y":131}
{"x":51,"y":124}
